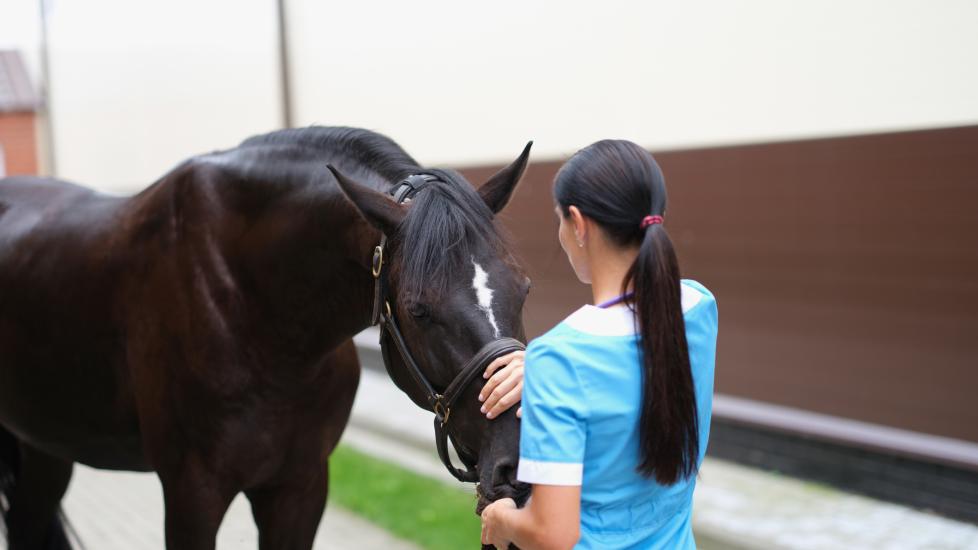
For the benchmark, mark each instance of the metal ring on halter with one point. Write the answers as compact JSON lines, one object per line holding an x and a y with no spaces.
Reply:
{"x":378,"y":261}
{"x":441,"y":412}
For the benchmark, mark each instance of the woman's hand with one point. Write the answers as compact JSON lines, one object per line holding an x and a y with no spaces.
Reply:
{"x":492,"y":518}
{"x":505,"y":386}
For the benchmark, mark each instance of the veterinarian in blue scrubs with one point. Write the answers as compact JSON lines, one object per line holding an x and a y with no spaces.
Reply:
{"x":616,"y":399}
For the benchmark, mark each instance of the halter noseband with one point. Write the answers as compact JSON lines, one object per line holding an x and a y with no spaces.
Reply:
{"x":439,"y":403}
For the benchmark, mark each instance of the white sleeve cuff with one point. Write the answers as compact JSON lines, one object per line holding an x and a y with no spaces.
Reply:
{"x":550,"y":473}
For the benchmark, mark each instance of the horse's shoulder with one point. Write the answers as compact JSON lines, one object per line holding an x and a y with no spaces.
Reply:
{"x":190,"y":184}
{"x":232,"y":173}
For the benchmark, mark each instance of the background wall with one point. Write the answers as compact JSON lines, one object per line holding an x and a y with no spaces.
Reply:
{"x":442,"y":78}
{"x":139,"y":86}
{"x":845,"y":270}
{"x":17,"y":141}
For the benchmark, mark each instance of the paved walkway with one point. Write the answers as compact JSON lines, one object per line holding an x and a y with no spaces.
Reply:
{"x":124,"y":511}
{"x":748,"y":508}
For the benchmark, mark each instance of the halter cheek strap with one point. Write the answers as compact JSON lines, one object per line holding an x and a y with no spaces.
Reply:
{"x":404,"y":191}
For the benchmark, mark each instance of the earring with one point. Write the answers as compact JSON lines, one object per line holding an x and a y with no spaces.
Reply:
{"x":580,"y":244}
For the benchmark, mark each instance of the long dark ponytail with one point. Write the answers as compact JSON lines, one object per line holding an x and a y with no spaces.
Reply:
{"x":617,"y":184}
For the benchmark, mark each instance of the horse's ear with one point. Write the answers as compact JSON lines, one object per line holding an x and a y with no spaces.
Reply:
{"x":378,"y":208}
{"x":497,"y":191}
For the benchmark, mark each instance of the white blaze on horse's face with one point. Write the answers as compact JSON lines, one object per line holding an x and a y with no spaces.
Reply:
{"x":480,"y":282}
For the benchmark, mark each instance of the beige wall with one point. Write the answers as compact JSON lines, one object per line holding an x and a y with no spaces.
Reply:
{"x":20,"y":29}
{"x":139,"y":86}
{"x":461,"y":82}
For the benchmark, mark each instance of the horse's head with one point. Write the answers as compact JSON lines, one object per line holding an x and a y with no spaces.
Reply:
{"x":453,"y":289}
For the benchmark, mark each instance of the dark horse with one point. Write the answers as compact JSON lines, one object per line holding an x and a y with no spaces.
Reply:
{"x":202,"y":328}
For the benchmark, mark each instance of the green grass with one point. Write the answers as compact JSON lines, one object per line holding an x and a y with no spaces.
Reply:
{"x":427,"y":512}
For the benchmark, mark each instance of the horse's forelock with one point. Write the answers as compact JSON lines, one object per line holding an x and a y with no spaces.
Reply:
{"x":446,"y":226}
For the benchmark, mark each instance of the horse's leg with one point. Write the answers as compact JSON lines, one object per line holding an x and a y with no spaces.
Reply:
{"x":288,"y":511}
{"x":287,"y":516}
{"x":33,"y":521}
{"x":195,"y":503}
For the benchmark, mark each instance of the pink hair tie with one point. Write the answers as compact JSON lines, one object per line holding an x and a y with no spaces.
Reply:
{"x":650,"y":220}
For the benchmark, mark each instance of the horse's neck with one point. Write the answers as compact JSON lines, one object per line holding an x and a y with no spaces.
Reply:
{"x":298,"y":252}
{"x":329,"y":287}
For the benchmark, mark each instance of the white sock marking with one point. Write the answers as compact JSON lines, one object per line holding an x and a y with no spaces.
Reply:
{"x":480,"y":282}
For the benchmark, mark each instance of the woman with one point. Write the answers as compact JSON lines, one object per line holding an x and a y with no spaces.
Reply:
{"x":616,"y":398}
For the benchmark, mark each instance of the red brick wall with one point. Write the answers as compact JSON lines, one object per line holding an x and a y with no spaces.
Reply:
{"x":18,"y":141}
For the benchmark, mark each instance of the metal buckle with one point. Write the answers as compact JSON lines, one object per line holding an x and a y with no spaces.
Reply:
{"x":378,"y":261}
{"x":387,"y":306}
{"x":442,"y":413}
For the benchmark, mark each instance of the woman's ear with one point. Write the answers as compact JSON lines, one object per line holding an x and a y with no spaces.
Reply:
{"x":580,"y":225}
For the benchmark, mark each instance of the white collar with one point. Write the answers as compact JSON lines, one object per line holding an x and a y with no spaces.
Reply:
{"x":619,"y":320}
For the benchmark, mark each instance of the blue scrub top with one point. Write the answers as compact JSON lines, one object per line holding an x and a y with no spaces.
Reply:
{"x":582,"y":400}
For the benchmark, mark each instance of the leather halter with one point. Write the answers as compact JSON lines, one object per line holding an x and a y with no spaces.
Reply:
{"x":439,"y":403}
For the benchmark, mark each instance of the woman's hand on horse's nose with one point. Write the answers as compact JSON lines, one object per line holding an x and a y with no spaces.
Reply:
{"x":505,"y":386}
{"x":492,"y":520}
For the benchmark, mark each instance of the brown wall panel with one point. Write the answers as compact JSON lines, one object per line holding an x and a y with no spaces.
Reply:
{"x":846,"y":270}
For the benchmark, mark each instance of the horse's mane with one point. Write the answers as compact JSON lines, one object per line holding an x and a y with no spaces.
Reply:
{"x":375,"y":151}
{"x":446,"y":223}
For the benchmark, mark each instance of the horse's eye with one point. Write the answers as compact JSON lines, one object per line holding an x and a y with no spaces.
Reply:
{"x":419,"y":310}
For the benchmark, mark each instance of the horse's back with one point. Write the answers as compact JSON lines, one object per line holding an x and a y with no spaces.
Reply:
{"x":28,"y":203}
{"x":60,"y":350}
{"x":53,"y":232}
{"x":38,"y":192}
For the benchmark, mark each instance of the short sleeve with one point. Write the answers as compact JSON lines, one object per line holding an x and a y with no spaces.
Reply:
{"x":554,"y":426}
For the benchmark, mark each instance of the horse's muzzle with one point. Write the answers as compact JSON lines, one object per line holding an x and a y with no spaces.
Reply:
{"x":518,"y":491}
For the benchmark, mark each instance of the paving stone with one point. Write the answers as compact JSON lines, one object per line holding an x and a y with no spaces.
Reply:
{"x":124,"y":511}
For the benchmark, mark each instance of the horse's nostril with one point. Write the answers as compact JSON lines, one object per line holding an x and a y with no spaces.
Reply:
{"x":504,"y":475}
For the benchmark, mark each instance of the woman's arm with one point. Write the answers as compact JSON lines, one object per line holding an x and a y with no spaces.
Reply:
{"x":550,"y":520}
{"x":552,"y":451}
